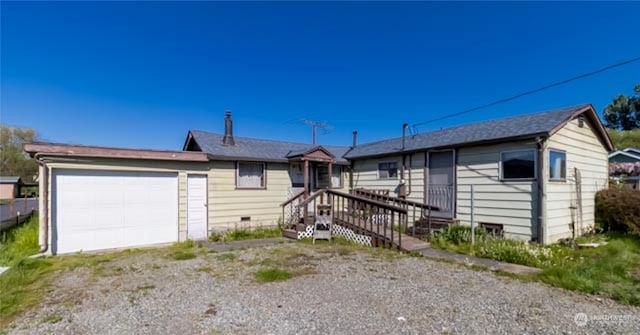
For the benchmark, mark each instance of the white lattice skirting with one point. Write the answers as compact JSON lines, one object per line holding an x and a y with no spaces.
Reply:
{"x":337,"y":230}
{"x":350,"y":235}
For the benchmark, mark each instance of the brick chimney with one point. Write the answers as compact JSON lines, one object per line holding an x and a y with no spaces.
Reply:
{"x":228,"y":129}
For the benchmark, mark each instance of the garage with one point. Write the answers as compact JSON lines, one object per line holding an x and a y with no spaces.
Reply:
{"x":96,"y":210}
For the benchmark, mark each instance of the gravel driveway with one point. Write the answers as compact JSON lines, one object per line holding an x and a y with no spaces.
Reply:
{"x":339,"y":290}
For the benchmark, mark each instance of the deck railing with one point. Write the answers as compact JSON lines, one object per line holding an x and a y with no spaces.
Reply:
{"x":416,"y":212}
{"x":291,"y":212}
{"x":379,"y":220}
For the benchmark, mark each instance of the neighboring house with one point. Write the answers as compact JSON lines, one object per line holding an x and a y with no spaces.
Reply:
{"x":624,"y":167}
{"x":9,"y":187}
{"x":101,"y":198}
{"x":523,"y":170}
{"x":628,"y":155}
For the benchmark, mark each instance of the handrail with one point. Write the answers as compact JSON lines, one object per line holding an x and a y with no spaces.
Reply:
{"x":312,"y":196}
{"x":396,"y":199}
{"x":293,"y":198}
{"x":383,"y":205}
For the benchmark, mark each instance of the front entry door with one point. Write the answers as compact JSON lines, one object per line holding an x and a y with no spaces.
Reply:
{"x":196,"y":207}
{"x":440,"y":182}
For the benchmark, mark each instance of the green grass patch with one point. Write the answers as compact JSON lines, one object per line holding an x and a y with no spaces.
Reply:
{"x":611,"y":270}
{"x":181,"y":255}
{"x":245,"y":234}
{"x":182,"y":251}
{"x":19,"y":242}
{"x":272,"y":274}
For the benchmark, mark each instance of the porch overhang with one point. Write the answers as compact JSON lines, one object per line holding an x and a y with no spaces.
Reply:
{"x":316,"y":154}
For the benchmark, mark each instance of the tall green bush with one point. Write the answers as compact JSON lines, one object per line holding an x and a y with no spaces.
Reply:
{"x":619,"y":210}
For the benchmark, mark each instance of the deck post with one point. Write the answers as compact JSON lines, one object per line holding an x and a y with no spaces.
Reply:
{"x":330,"y":168}
{"x":306,"y":178}
{"x":306,"y":188}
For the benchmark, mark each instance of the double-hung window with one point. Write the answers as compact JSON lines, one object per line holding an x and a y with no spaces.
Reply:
{"x":557,"y":165}
{"x":387,"y":170}
{"x":251,"y":175}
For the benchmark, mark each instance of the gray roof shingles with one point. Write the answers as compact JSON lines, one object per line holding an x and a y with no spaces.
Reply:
{"x":541,"y":123}
{"x":258,"y":149}
{"x":485,"y":131}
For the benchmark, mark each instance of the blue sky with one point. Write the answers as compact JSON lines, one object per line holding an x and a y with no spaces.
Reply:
{"x":141,"y":74}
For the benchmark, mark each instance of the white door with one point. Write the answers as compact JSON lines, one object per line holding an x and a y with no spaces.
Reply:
{"x":94,"y":210}
{"x":196,"y":207}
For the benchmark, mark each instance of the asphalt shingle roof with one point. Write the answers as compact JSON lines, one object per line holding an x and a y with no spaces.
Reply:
{"x":524,"y":126}
{"x":493,"y":130}
{"x":258,"y":149}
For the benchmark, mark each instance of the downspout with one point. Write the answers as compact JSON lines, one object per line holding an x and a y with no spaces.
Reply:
{"x":407,"y":188}
{"x":351,"y":162}
{"x":44,"y":216}
{"x":403,"y":182}
{"x":541,"y":208}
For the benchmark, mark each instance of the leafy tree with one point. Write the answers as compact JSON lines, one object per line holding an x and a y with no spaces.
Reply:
{"x":625,"y":138}
{"x":13,"y":160}
{"x":624,"y":112}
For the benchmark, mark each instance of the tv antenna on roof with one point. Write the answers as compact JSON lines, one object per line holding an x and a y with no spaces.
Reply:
{"x":316,"y":124}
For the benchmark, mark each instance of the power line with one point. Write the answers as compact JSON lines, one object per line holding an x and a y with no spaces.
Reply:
{"x":525,"y":93}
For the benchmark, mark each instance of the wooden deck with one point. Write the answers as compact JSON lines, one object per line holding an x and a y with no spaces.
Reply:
{"x":381,"y":235}
{"x":385,"y":219}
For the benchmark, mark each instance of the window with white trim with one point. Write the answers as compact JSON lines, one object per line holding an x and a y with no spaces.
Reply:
{"x":250,"y":175}
{"x":557,"y":165}
{"x":322,"y":173}
{"x":520,"y":164}
{"x":388,"y":170}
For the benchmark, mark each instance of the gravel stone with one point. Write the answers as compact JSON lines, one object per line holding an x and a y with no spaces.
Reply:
{"x":354,"y":291}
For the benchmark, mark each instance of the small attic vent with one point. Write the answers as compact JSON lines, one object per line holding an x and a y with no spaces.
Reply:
{"x":581,"y":121}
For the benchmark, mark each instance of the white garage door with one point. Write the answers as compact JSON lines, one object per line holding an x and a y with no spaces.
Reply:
{"x":94,"y":210}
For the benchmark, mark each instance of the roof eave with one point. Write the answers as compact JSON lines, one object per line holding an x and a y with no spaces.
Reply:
{"x":453,"y":146}
{"x":43,"y":149}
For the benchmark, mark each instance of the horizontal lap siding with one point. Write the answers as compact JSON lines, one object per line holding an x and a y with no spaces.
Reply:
{"x":228,"y":204}
{"x":365,"y":175}
{"x":417,"y":177}
{"x":510,"y":203}
{"x":586,"y":152}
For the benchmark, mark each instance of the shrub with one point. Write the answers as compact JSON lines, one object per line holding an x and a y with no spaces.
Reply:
{"x":618,"y":210}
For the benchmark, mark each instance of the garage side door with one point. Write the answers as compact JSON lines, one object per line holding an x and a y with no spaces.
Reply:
{"x":95,"y":210}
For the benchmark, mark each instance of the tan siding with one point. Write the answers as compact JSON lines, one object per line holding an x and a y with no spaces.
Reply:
{"x":510,"y":203}
{"x":182,"y":205}
{"x":417,"y":177}
{"x":227,"y":204}
{"x":586,"y":152}
{"x":365,"y":174}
